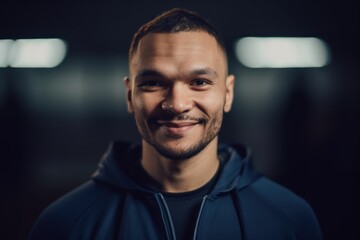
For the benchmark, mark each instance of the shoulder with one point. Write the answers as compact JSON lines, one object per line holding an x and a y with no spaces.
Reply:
{"x":281,"y":203}
{"x":58,"y":219}
{"x":278,"y":196}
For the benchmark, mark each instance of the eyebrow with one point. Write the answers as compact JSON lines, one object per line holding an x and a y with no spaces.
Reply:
{"x":147,"y":73}
{"x":204,"y":71}
{"x":195,"y":72}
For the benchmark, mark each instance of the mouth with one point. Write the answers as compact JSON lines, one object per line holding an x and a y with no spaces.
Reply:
{"x":177,"y":127}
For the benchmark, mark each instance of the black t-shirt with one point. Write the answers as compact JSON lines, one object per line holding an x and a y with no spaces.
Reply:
{"x":184,"y":207}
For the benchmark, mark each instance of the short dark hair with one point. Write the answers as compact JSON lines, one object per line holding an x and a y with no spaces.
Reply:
{"x":173,"y":21}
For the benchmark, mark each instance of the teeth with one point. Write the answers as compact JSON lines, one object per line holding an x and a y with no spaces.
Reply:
{"x":172,"y":124}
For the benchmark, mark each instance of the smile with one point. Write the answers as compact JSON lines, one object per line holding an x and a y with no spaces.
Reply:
{"x":177,"y":127}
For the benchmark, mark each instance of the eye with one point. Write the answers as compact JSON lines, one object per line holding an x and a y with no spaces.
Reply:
{"x":200,"y":83}
{"x":150,"y":85}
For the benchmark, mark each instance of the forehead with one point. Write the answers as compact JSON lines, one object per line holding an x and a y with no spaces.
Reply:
{"x":179,"y":51}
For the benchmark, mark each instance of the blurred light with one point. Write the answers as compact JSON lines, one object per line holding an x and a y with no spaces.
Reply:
{"x":282,"y":52}
{"x":5,"y":48}
{"x":32,"y":53}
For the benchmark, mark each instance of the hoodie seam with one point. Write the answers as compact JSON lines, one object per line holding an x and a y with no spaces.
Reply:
{"x":77,"y":220}
{"x":281,"y":213}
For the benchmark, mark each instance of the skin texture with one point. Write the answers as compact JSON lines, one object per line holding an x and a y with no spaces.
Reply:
{"x":178,"y":91}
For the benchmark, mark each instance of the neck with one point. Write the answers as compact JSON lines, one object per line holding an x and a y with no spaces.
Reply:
{"x":181,"y":175}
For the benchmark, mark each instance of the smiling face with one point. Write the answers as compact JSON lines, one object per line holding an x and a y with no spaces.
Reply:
{"x":178,"y":90}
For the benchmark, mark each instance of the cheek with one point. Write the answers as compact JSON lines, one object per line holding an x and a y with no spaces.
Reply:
{"x":144,"y":105}
{"x":211,"y":103}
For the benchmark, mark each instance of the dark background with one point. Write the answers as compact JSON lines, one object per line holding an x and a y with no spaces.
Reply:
{"x":302,"y":124}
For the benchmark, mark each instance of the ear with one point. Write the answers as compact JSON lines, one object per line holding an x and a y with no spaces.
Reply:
{"x":128,"y":86}
{"x":229,"y":97}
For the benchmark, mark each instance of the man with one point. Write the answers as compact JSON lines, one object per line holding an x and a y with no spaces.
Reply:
{"x":179,"y":183}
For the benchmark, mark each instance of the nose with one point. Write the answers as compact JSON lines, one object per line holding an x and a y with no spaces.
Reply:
{"x":178,"y":100}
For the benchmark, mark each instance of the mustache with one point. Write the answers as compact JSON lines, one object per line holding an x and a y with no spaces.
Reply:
{"x":180,"y":117}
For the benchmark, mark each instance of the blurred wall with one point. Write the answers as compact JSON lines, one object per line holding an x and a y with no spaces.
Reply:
{"x":301,"y":124}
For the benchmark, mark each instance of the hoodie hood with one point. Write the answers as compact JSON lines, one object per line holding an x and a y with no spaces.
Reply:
{"x":118,"y":167}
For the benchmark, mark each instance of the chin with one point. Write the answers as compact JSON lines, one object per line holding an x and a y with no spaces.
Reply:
{"x":179,"y":152}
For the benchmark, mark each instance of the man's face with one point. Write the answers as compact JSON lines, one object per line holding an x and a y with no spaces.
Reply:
{"x":178,"y":91}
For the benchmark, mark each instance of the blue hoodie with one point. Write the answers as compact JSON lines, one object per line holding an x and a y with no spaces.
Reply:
{"x":242,"y":205}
